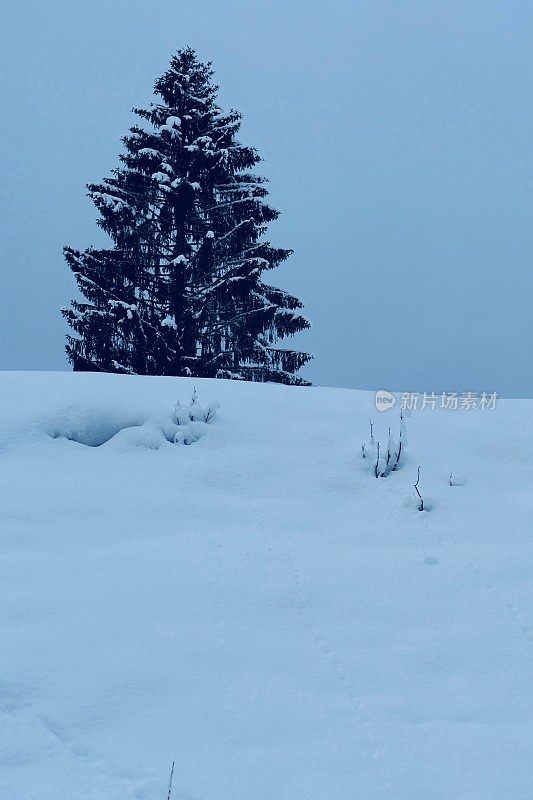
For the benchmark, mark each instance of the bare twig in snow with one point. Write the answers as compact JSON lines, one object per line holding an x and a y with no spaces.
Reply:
{"x":398,"y":454}
{"x":170,"y":782}
{"x":421,"y":504}
{"x":386,"y":469}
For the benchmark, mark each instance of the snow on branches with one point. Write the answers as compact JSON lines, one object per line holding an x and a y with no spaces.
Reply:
{"x":193,"y":419}
{"x":186,"y":216}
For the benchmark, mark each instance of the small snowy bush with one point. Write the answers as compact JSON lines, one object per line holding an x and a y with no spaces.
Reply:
{"x":383,"y":459}
{"x":192,"y":419}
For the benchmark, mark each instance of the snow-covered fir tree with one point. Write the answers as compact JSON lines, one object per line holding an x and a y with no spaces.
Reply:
{"x":180,"y":292}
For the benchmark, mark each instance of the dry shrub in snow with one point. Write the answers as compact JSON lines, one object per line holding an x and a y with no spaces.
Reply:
{"x":192,"y":419}
{"x":385,"y":458}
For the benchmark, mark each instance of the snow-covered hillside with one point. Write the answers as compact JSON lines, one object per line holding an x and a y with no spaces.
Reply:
{"x":257,"y":606}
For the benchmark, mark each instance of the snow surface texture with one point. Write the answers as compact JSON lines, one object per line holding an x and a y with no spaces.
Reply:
{"x":258,"y":607}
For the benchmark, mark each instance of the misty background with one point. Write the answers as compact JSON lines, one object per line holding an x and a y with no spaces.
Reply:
{"x":397,"y":137}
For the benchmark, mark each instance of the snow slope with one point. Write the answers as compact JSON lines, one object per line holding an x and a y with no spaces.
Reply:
{"x":256,"y":606}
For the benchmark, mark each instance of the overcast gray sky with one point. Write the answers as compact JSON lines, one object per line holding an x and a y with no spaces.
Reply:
{"x":397,"y":136}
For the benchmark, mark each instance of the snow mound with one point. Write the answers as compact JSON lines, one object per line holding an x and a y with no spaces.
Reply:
{"x":257,"y":607}
{"x":92,"y":427}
